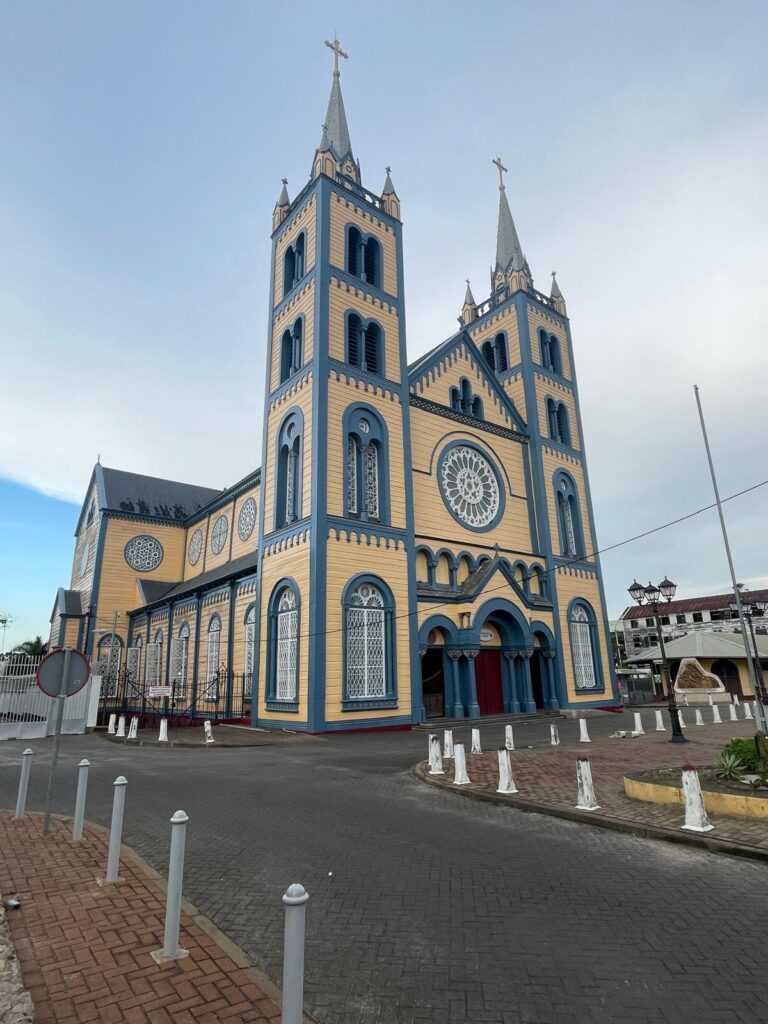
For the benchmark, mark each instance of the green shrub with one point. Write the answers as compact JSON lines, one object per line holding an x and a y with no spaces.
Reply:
{"x":729,"y":768}
{"x":745,"y":751}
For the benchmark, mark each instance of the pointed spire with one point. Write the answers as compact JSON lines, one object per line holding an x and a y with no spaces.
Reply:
{"x":508,"y":249}
{"x":389,"y":198}
{"x":469,"y":309}
{"x":336,"y":117}
{"x":283,"y":199}
{"x":469,"y":299}
{"x":389,"y":188}
{"x":556,"y":295}
{"x":282,"y":206}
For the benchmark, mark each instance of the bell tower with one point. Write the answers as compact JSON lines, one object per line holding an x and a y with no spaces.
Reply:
{"x":336,"y":549}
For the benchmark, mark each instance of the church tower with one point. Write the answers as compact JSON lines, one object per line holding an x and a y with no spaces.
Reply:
{"x":336,"y":553}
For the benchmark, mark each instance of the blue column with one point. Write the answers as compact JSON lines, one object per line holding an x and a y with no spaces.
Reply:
{"x":549,"y":667}
{"x":454,"y":705}
{"x":511,"y":702}
{"x":526,"y":690}
{"x":473,"y":708}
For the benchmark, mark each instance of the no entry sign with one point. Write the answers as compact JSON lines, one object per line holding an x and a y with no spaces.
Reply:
{"x":50,"y":673}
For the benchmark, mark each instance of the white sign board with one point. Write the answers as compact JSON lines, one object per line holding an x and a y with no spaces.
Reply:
{"x":487,"y":636}
{"x":160,"y":691}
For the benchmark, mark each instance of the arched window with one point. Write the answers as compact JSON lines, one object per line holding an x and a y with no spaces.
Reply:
{"x":584,"y":647}
{"x":555,"y":362}
{"x":290,"y":350}
{"x":538,"y":581}
{"x":283,"y":648}
{"x":521,"y":577}
{"x":366,"y":471}
{"x":293,"y":264}
{"x":489,"y":354}
{"x":249,"y":641}
{"x":569,"y":516}
{"x":495,"y":353}
{"x":110,"y":654}
{"x":372,"y":262}
{"x":363,"y":257}
{"x":368,"y":644}
{"x":455,"y":398}
{"x":179,"y":662}
{"x":354,"y":252}
{"x":477,"y":408}
{"x":544,"y":349}
{"x":443,"y":571}
{"x":463,"y":570}
{"x":364,"y":344}
{"x":558,"y":422}
{"x":422,"y":566}
{"x":211,"y":690}
{"x":288,"y":482}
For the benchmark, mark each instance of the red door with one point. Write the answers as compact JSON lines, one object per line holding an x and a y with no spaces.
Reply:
{"x":490,"y":696}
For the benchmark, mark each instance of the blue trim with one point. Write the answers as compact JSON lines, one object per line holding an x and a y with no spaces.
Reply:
{"x":282,"y":516}
{"x":365,"y":377}
{"x":500,"y":484}
{"x":597,"y":661}
{"x":273,"y":703}
{"x":292,"y":382}
{"x":378,"y":435}
{"x":365,"y":239}
{"x":562,"y":476}
{"x":354,"y":282}
{"x":497,"y":608}
{"x":389,"y":698}
{"x":297,"y":360}
{"x":93,"y":609}
{"x":286,"y":300}
{"x":365,"y":323}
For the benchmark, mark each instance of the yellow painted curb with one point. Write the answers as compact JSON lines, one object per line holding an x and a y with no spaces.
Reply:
{"x":745,"y":806}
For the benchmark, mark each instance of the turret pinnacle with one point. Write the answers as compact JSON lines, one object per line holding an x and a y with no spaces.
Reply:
{"x":557,"y":296}
{"x":281,"y":206}
{"x":469,"y":309}
{"x":389,"y":188}
{"x":469,"y":299}
{"x":283,"y":199}
{"x":336,"y":118}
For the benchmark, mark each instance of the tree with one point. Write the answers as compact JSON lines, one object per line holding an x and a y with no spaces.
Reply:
{"x":34,"y":648}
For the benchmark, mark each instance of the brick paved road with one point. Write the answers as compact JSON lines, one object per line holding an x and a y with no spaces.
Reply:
{"x":439,"y":908}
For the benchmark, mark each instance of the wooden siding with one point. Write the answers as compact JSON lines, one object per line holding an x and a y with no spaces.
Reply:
{"x":536,"y":320}
{"x":506,"y":320}
{"x":569,"y":586}
{"x":302,"y":399}
{"x":302,"y":304}
{"x":243,"y":547}
{"x":438,"y":389}
{"x":343,"y":297}
{"x":545,"y":390}
{"x":305,"y":221}
{"x":345,"y":212}
{"x":551,"y":463}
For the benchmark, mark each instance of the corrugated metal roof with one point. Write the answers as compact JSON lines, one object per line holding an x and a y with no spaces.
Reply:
{"x":702,"y":644}
{"x":715,"y":602}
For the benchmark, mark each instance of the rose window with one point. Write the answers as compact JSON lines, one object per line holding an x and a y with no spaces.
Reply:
{"x":470,"y":487}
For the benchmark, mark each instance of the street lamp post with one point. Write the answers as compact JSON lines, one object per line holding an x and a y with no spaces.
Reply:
{"x":650,"y":596}
{"x":750,"y":610}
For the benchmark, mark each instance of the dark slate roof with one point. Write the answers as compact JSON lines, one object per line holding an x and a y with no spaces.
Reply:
{"x":149,"y":495}
{"x":68,"y":602}
{"x":153,"y":590}
{"x":237,"y":567}
{"x":715,"y":602}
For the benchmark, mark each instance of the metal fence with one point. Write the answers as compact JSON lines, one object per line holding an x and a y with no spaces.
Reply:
{"x":26,"y":713}
{"x":223,"y":696}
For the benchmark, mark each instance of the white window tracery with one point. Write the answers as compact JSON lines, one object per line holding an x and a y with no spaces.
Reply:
{"x":582,"y":650}
{"x":250,"y":636}
{"x":143,"y":553}
{"x":469,"y":486}
{"x":351,"y":475}
{"x":246,"y":519}
{"x":286,"y":662}
{"x":195,"y":547}
{"x":179,"y":662}
{"x":211,"y":690}
{"x":219,"y":534}
{"x":366,"y":643}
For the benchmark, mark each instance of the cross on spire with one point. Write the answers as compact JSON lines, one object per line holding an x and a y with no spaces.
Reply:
{"x":337,"y":52}
{"x":502,"y":171}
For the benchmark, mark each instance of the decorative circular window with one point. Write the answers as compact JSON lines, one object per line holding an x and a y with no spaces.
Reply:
{"x":219,"y":534}
{"x":365,"y":426}
{"x":195,"y":547}
{"x":84,"y":558}
{"x":247,"y":519}
{"x":470,"y":487}
{"x":143,"y":553}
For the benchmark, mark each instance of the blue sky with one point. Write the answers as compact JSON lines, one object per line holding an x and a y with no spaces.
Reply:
{"x":143,"y":149}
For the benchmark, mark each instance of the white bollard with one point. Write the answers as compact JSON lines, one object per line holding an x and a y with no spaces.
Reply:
{"x":685,"y":701}
{"x":82,"y":786}
{"x":736,"y":699}
{"x":681,"y":719}
{"x":733,"y":717}
{"x":208,"y":731}
{"x":171,"y":949}
{"x":660,"y":727}
{"x":583,"y":731}
{"x":639,"y":731}
{"x":554,"y":735}
{"x":112,"y":725}
{"x":435,"y":758}
{"x":587,"y":801}
{"x":133,"y":728}
{"x":747,"y":710}
{"x":460,"y":777}
{"x":448,"y":744}
{"x":699,"y":718}
{"x":696,"y":819}
{"x":120,"y":726}
{"x":509,"y":739}
{"x":116,"y":830}
{"x":295,"y":900}
{"x":21,"y":799}
{"x":716,"y":719}
{"x":163,"y":737}
{"x":476,"y":748}
{"x":711,"y":702}
{"x":506,"y":782}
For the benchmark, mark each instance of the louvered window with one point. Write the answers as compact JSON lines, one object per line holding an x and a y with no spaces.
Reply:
{"x":372,"y":348}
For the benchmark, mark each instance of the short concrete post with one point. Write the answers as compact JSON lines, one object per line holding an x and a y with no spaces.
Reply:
{"x":747,"y":710}
{"x":736,"y":700}
{"x":448,"y":744}
{"x":685,"y":701}
{"x":711,"y":702}
{"x":163,"y":737}
{"x":660,"y":727}
{"x":587,"y":801}
{"x":171,"y":949}
{"x":699,"y":717}
{"x":82,"y":786}
{"x":554,"y":735}
{"x":506,"y":782}
{"x":509,"y":739}
{"x":208,"y":731}
{"x":716,"y":719}
{"x":732,"y":716}
{"x":639,"y":730}
{"x":476,"y":748}
{"x":133,"y":728}
{"x":295,"y":900}
{"x":21,"y":799}
{"x":116,"y":830}
{"x":120,"y":726}
{"x":696,"y":819}
{"x":435,"y":757}
{"x":112,"y":725}
{"x":460,"y":777}
{"x":681,"y":719}
{"x":583,"y":731}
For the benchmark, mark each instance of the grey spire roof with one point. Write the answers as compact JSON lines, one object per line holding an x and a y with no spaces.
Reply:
{"x":389,"y":188}
{"x":469,"y":299}
{"x":283,"y":199}
{"x":555,"y":293}
{"x":336,"y":132}
{"x":508,"y":249}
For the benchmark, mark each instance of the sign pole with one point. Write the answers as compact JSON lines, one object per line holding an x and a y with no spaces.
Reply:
{"x":56,"y":738}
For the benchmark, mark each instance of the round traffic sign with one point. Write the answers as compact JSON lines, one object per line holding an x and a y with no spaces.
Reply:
{"x":50,"y":671}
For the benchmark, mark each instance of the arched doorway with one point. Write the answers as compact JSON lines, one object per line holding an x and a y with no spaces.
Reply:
{"x":537,"y":680}
{"x":728,"y":674}
{"x":433,"y":682}
{"x":439,"y":673}
{"x":502,"y":680}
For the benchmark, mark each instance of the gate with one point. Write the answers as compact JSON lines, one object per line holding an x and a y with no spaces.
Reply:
{"x":26,"y":713}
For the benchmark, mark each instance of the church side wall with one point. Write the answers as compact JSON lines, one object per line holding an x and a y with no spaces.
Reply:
{"x":302,"y":304}
{"x":576,"y":583}
{"x":304,"y":220}
{"x":344,"y":212}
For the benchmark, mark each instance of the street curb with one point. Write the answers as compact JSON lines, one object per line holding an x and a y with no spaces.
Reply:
{"x":238,"y":955}
{"x":702,"y":842}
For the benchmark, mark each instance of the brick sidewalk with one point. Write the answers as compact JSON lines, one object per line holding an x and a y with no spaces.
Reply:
{"x":546,"y":779}
{"x":85,"y":950}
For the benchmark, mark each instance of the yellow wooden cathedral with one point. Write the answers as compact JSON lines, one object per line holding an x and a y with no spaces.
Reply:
{"x":419,"y":541}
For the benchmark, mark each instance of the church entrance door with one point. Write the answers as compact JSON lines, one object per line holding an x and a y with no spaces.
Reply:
{"x":433,"y":682}
{"x":490,"y":696}
{"x":537,"y":682}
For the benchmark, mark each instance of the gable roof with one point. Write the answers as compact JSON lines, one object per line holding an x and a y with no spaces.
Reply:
{"x":429,"y":361}
{"x":149,"y":495}
{"x":68,"y":602}
{"x":477,"y":582}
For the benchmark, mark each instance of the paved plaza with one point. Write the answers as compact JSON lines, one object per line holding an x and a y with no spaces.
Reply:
{"x":425,"y":905}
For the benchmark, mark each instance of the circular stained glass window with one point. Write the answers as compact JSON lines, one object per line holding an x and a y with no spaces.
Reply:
{"x":84,"y":558}
{"x":247,"y":519}
{"x":143,"y":553}
{"x":219,"y":534}
{"x":470,"y":486}
{"x":195,"y":547}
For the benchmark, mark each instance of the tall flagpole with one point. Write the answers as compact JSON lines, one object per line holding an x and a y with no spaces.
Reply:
{"x":736,"y":592}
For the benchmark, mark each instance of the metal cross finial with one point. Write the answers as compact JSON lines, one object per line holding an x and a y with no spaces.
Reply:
{"x":284,"y":181}
{"x":467,"y":280}
{"x":553,"y":273}
{"x":388,"y":170}
{"x":337,"y":52}
{"x":502,"y":171}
